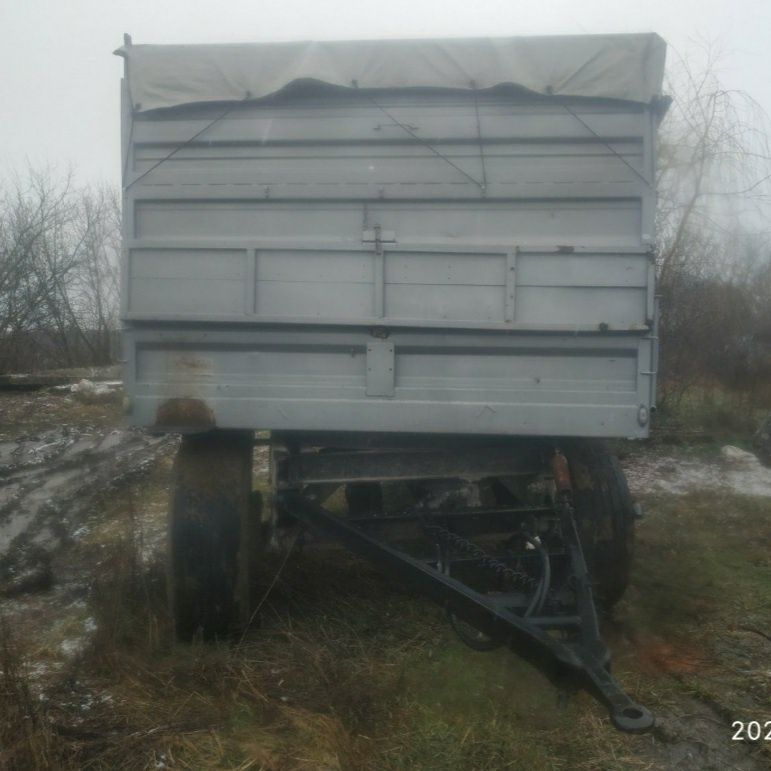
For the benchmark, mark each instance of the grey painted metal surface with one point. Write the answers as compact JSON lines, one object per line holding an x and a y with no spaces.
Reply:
{"x":439,"y":261}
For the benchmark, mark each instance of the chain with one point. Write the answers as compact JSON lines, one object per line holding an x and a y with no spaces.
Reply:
{"x":500,"y":569}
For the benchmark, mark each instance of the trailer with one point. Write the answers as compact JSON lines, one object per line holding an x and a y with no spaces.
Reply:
{"x":423,"y":265}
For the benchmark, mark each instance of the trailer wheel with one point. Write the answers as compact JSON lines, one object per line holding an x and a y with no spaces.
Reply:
{"x":214,"y":528}
{"x":605,"y":515}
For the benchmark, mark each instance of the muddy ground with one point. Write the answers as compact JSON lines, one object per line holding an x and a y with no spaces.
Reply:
{"x":345,"y":670}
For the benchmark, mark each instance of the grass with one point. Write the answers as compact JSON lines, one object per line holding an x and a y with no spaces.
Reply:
{"x":703,"y":584}
{"x":712,"y":549}
{"x":25,"y":413}
{"x":348,"y":671}
{"x":28,"y":737}
{"x":333,"y":680}
{"x":709,"y":413}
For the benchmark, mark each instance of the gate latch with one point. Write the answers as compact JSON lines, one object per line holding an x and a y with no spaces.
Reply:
{"x":380,"y":368}
{"x":376,"y":235}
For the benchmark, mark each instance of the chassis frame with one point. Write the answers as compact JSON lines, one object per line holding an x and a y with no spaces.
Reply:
{"x":562,"y":637}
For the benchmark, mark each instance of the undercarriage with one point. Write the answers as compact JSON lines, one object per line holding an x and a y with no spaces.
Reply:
{"x":520,"y":541}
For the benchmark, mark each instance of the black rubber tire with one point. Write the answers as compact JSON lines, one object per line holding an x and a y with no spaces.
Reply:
{"x":605,"y":515}
{"x":213,"y":533}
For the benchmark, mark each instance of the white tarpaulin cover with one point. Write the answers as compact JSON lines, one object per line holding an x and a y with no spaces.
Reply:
{"x":629,"y":67}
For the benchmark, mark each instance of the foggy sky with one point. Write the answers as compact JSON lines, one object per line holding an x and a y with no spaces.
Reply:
{"x":59,"y":82}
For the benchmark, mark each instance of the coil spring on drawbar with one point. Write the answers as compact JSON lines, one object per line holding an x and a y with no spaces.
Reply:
{"x":500,"y":569}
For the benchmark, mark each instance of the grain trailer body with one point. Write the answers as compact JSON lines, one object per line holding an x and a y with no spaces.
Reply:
{"x":423,"y":236}
{"x":426,"y":268}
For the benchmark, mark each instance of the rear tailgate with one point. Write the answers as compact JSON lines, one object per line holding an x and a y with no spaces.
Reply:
{"x":443,"y":253}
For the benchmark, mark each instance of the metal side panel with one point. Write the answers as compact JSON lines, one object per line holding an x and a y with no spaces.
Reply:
{"x":335,"y":379}
{"x":394,"y":283}
{"x":197,"y":214}
{"x":327,"y":209}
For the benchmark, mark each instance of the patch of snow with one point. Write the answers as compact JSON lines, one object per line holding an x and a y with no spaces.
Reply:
{"x":737,"y":455}
{"x":89,"y":392}
{"x":81,"y":532}
{"x":41,"y":669}
{"x":736,"y":471}
{"x":71,"y":646}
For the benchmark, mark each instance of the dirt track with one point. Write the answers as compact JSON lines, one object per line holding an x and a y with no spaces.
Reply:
{"x":47,"y":482}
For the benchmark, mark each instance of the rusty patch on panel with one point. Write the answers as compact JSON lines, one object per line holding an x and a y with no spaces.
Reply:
{"x":190,"y":362}
{"x":185,"y":413}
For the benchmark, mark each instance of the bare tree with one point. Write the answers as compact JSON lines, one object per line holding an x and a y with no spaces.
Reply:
{"x":713,"y":179}
{"x":58,"y":272}
{"x":714,"y":162}
{"x":87,"y":299}
{"x":97,"y":288}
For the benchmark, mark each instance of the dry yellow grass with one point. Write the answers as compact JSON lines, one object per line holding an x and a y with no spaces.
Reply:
{"x":347,"y":671}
